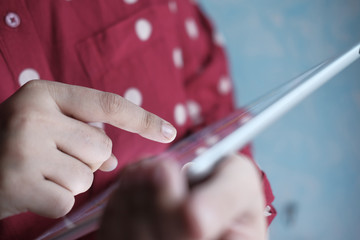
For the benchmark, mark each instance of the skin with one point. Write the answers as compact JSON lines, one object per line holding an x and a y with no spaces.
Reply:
{"x":153,"y":201}
{"x":48,"y":152}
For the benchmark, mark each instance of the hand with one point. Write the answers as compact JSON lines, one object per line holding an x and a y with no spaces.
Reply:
{"x":48,"y":152}
{"x":153,"y":202}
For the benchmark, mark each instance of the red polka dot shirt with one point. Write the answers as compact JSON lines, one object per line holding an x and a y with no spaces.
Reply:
{"x":163,"y":55}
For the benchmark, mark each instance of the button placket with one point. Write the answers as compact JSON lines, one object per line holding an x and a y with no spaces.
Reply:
{"x":21,"y":46}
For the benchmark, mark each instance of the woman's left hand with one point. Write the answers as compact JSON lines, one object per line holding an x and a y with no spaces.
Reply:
{"x":153,"y":201}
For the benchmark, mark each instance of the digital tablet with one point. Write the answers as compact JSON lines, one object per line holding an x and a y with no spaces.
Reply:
{"x":206,"y":148}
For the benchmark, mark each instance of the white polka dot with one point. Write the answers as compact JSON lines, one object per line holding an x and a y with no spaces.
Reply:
{"x":180,"y":114}
{"x":27,"y":75}
{"x":211,"y":140}
{"x":200,"y":150}
{"x":224,"y":85}
{"x":100,"y":125}
{"x":134,"y":96}
{"x":173,"y":6}
{"x":191,"y":28}
{"x":130,"y":1}
{"x":178,"y":58}
{"x":194,"y":111}
{"x":143,"y":29}
{"x":219,"y":39}
{"x":68,"y":223}
{"x":12,"y":20}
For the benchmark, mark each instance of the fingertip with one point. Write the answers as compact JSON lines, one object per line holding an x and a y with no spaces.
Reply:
{"x":110,"y":164}
{"x":168,"y":131}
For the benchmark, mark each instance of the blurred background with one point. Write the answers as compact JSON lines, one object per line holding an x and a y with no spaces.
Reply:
{"x":312,"y":155}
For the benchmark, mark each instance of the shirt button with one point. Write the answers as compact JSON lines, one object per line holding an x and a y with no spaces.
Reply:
{"x":12,"y":20}
{"x":267,"y":211}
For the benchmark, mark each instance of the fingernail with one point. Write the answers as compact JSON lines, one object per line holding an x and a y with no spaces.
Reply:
{"x":168,"y":131}
{"x":114,"y":163}
{"x":110,"y":164}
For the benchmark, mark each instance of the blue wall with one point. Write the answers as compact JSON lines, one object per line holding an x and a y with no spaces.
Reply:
{"x":312,"y":155}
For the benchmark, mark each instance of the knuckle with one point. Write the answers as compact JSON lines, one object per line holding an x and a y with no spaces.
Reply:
{"x":33,"y":84}
{"x":23,"y":111}
{"x":107,"y":143}
{"x":16,"y":117}
{"x":24,"y":119}
{"x":111,"y":103}
{"x":147,"y":121}
{"x":85,"y":182}
{"x":102,"y":149}
{"x":62,"y":205}
{"x":16,"y":132}
{"x":37,"y":86}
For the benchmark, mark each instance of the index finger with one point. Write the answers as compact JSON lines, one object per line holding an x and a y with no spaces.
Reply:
{"x":90,"y":105}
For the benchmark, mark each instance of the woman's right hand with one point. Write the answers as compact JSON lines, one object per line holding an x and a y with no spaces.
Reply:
{"x":48,"y":151}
